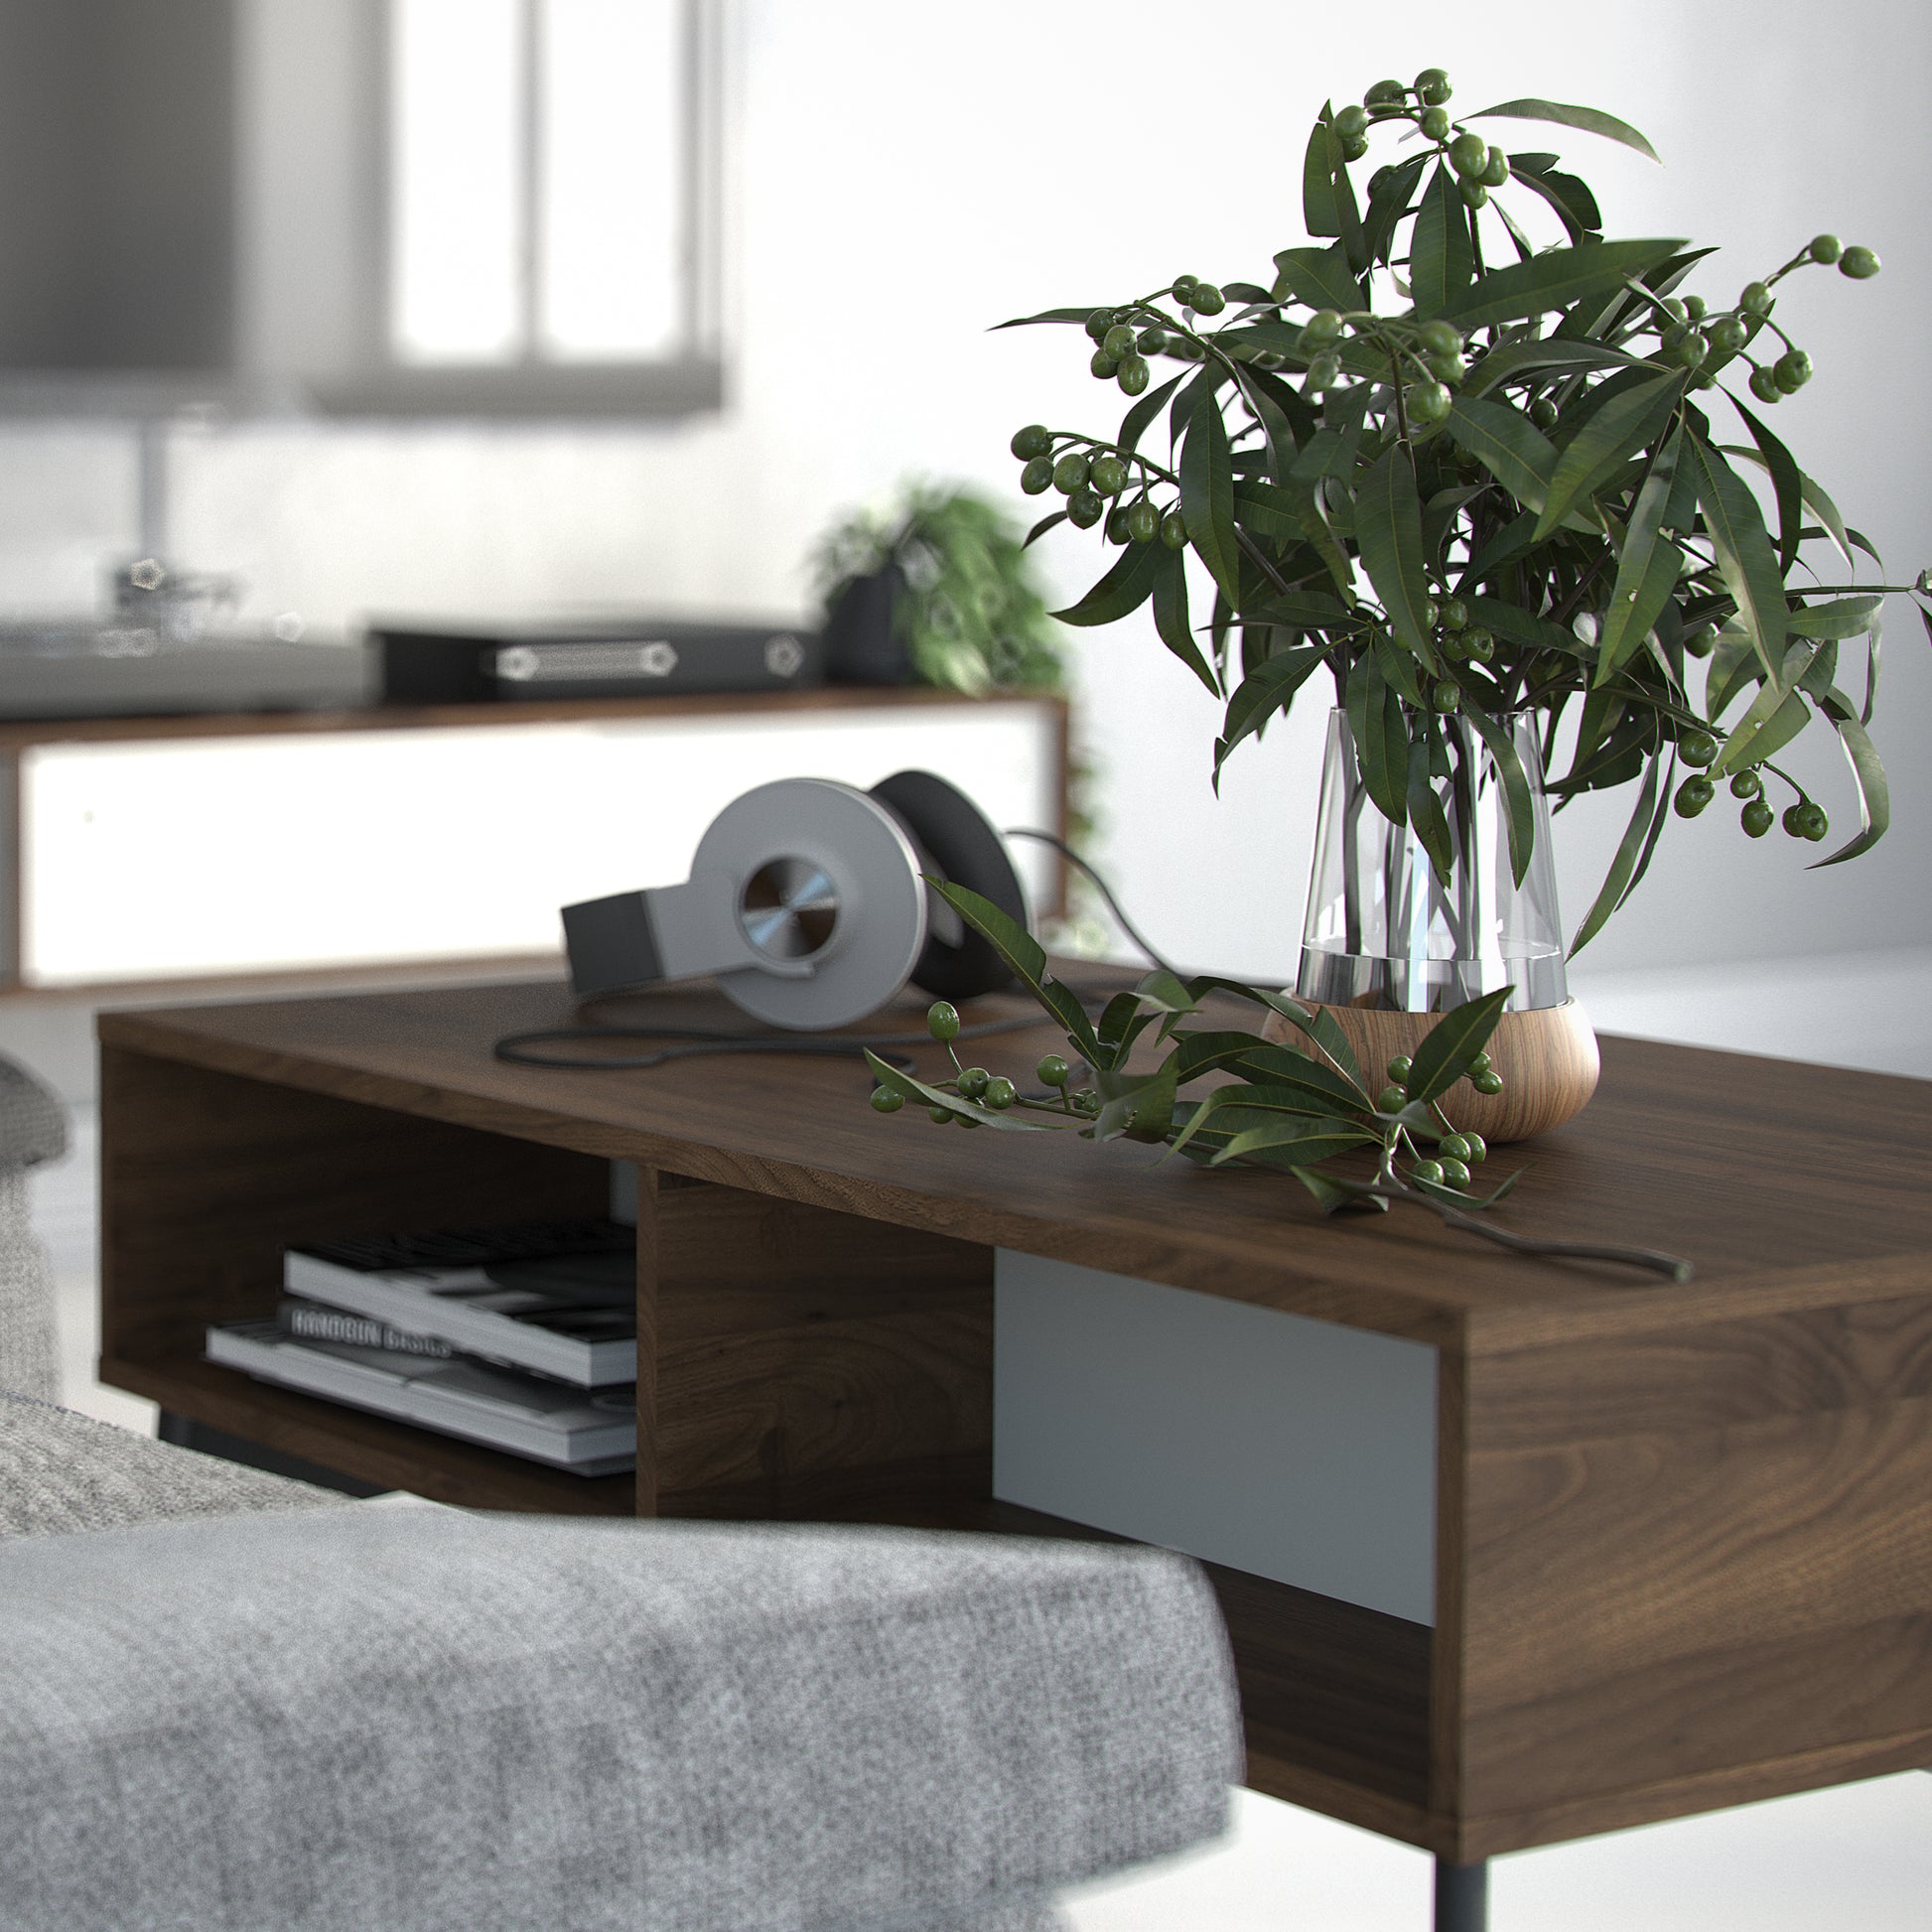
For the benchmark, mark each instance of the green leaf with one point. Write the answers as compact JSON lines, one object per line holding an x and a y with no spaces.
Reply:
{"x":1300,"y":1144}
{"x":1519,"y":797}
{"x":1278,"y":1066}
{"x":1124,"y":589}
{"x":1775,"y":716}
{"x":1382,"y":740}
{"x":1170,"y":617}
{"x":1786,"y":483}
{"x":1388,"y":203}
{"x":1590,"y":120}
{"x":1269,"y":689}
{"x":1523,"y":627}
{"x":1163,"y":992}
{"x":1050,"y":314}
{"x":1623,"y":874}
{"x":1133,"y":426}
{"x":1568,"y":195}
{"x":1554,"y":280}
{"x":1136,"y":1106}
{"x":1388,"y":531}
{"x":1514,"y":359}
{"x":1608,"y":440}
{"x":1733,"y":665}
{"x":908,"y":1088}
{"x":1023,"y":958}
{"x":1041,"y":528}
{"x":1745,"y":559}
{"x":1207,"y":496}
{"x":1507,"y":444}
{"x":1440,"y":262}
{"x":1425,"y":813}
{"x":1843,"y":616}
{"x":1319,"y":1025}
{"x":1874,"y":794}
{"x":1320,"y":163}
{"x":1320,"y":277}
{"x":1647,"y":567}
{"x":1232,"y":1109}
{"x":1451,"y":1044}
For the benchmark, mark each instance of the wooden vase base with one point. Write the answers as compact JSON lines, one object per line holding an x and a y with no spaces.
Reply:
{"x":1546,"y":1059}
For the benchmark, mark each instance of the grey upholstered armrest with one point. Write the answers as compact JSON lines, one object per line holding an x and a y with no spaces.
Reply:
{"x":387,"y":1722}
{"x":32,"y":1124}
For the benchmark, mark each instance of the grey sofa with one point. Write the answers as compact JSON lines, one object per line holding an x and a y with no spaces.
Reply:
{"x":237,"y":1704}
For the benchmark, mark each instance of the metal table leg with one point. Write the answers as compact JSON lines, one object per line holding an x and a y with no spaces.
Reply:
{"x":1461,"y":1898}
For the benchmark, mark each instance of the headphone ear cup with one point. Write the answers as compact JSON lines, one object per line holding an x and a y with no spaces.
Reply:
{"x":950,"y":831}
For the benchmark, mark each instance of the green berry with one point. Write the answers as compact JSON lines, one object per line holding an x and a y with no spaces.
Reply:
{"x":1433,"y":86}
{"x":1440,"y":337}
{"x":1445,"y":696}
{"x":1756,"y":299}
{"x":973,"y":1082}
{"x":1765,"y":386}
{"x":1811,"y":822}
{"x":1792,"y":370}
{"x":1325,"y":373}
{"x":1108,"y":474}
{"x":887,"y":1100}
{"x":1103,"y":365}
{"x":1133,"y":374}
{"x":1391,"y":1100}
{"x":1697,"y":747}
{"x":1453,"y":1147}
{"x":1696,"y":307}
{"x":1385,"y":94}
{"x":1487,"y":1082}
{"x":1321,"y":328}
{"x":1400,"y":1069}
{"x":1351,"y":121}
{"x":1118,"y":340}
{"x":1086,"y":1101}
{"x":1173,"y":531}
{"x":1495,"y":168}
{"x":1038,"y":477}
{"x":1000,"y":1093}
{"x":1481,"y":1064}
{"x":1084,"y":508}
{"x":1542,"y":413}
{"x":1052,"y":1071}
{"x":1455,"y":1174}
{"x":1448,"y":369}
{"x":1436,"y":122}
{"x":965,"y":1120}
{"x":1206,"y":299}
{"x":1353,"y":146}
{"x":1117,"y":528}
{"x":1428,"y":1172}
{"x":940,"y":1116}
{"x":1456,"y":614}
{"x":1477,"y":1145}
{"x":1468,"y":155}
{"x":1473,"y":192}
{"x":1034,"y":440}
{"x":1184,"y":284}
{"x":1479,"y":645}
{"x":1700,"y":643}
{"x":1825,"y":248}
{"x":942,"y":1019}
{"x":1099,"y":323}
{"x":1792,"y":828}
{"x":1755,"y":819}
{"x":1859,"y":263}
{"x":1691,"y":352}
{"x":1693,"y":795}
{"x":1428,"y":402}
{"x":1727,"y":334}
{"x":1745,"y":784}
{"x":1143,"y":522}
{"x":1150,"y":341}
{"x":1070,"y":473}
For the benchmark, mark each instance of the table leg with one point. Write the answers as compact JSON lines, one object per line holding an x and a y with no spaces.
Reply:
{"x":1461,"y":1896}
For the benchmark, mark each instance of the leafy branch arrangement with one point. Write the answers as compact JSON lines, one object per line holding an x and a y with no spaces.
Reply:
{"x":1500,"y":491}
{"x":1280,"y":1106}
{"x":966,"y":607}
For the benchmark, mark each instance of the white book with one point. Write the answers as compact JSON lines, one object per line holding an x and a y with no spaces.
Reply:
{"x":494,"y":1293}
{"x":592,"y":1433}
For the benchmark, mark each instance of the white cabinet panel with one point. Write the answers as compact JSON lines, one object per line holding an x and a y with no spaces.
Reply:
{"x":144,"y":860}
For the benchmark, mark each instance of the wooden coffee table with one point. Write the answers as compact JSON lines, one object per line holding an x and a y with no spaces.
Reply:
{"x":1682,"y":1533}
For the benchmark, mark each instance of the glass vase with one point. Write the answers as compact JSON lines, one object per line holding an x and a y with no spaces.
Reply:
{"x":1385,"y":931}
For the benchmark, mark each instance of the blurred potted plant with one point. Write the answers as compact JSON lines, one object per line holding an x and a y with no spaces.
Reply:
{"x":1473,"y":476}
{"x":937,"y":590}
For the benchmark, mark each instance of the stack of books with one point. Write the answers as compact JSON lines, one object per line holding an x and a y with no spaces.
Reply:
{"x":524,"y":1337}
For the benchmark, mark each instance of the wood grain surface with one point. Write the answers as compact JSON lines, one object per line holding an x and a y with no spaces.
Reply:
{"x":1683,"y":1534}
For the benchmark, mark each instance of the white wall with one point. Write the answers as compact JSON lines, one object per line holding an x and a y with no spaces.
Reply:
{"x":904,"y":177}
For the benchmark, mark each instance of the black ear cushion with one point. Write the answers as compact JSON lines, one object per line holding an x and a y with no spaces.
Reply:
{"x":951,"y":835}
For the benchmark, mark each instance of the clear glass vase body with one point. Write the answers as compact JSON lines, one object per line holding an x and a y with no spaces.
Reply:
{"x":1383,"y":929}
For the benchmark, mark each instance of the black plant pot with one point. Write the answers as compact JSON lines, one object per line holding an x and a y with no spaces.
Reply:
{"x":862,"y":645}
